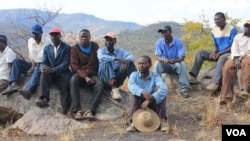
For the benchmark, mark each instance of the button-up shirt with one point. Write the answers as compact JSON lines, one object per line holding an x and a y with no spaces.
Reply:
{"x":153,"y":84}
{"x":241,"y":46}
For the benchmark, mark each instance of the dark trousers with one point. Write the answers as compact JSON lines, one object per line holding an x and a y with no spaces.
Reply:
{"x":136,"y":102}
{"x":75,"y":83}
{"x":62,"y":83}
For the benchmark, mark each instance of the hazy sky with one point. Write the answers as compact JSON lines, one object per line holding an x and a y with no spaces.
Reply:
{"x":143,"y":12}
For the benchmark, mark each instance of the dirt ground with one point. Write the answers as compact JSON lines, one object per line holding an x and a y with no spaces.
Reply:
{"x":198,"y":118}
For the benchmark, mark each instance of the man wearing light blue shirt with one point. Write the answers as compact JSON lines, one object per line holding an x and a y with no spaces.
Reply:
{"x":170,"y":54}
{"x":115,"y":64}
{"x":148,"y":90}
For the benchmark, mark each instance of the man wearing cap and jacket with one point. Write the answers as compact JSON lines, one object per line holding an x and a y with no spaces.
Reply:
{"x":7,"y":56}
{"x":222,"y":35}
{"x":35,"y":49}
{"x":115,"y":64}
{"x":170,"y":53}
{"x":55,"y":69}
{"x":239,"y":59}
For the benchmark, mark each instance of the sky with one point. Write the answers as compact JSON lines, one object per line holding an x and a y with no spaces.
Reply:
{"x":143,"y":12}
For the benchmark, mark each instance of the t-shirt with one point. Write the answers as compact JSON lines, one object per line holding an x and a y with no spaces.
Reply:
{"x":7,"y":56}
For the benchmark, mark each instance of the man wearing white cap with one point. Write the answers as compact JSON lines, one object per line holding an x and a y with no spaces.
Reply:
{"x":7,"y":55}
{"x":115,"y":65}
{"x":239,"y":59}
{"x":147,"y":91}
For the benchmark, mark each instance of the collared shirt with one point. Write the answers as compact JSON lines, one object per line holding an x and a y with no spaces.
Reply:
{"x":241,"y":46}
{"x":7,"y":56}
{"x":137,"y":84}
{"x":223,"y":39}
{"x":105,"y":56}
{"x":56,"y":49}
{"x":174,"y":50}
{"x":35,"y":50}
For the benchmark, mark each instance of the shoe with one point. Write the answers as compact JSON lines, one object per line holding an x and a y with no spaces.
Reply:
{"x":131,"y":128}
{"x":11,"y":89}
{"x":42,"y":103}
{"x":165,"y":126}
{"x":193,"y":80}
{"x":164,"y":76}
{"x":212,"y":86}
{"x":116,"y":94}
{"x":225,"y":100}
{"x":244,"y":94}
{"x":185,"y":94}
{"x":25,"y":93}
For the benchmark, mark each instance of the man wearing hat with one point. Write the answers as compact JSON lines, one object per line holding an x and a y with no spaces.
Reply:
{"x":35,"y":49}
{"x":222,"y":36}
{"x":239,"y":59}
{"x":170,"y":53}
{"x":55,"y":69}
{"x":148,"y":98}
{"x":115,"y":64}
{"x":7,"y":55}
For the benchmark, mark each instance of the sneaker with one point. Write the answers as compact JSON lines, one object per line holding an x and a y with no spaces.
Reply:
{"x":244,"y":94}
{"x":42,"y":103}
{"x":225,"y":100}
{"x":131,"y":128}
{"x":11,"y":89}
{"x":25,"y":93}
{"x":193,"y":80}
{"x":165,"y":127}
{"x":115,"y":93}
{"x":185,"y":94}
{"x":212,"y":86}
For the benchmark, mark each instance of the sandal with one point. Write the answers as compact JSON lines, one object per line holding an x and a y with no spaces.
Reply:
{"x":88,"y":115}
{"x":79,"y":115}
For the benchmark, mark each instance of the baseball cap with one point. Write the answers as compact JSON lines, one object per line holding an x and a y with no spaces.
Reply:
{"x":110,"y":35}
{"x":36,"y":29}
{"x":247,"y":23}
{"x":164,"y":28}
{"x":55,"y":30}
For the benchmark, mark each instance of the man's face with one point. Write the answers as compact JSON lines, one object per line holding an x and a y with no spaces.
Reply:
{"x":2,"y":45}
{"x":247,"y":29}
{"x":166,"y":34}
{"x":219,"y":21}
{"x":36,"y":36}
{"x":84,"y":38}
{"x":109,"y":42}
{"x":143,"y":65}
{"x":55,"y":38}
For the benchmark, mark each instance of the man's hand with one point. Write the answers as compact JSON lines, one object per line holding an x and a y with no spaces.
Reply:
{"x":30,"y":71}
{"x":215,"y":56}
{"x":147,"y":96}
{"x":145,"y":104}
{"x":237,"y":63}
{"x":47,"y":69}
{"x":124,"y":65}
{"x":89,"y":80}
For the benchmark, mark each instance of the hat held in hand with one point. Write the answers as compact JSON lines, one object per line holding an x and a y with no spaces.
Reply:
{"x":146,"y":120}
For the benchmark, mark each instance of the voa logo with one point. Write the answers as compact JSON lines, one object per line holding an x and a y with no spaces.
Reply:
{"x":236,"y":132}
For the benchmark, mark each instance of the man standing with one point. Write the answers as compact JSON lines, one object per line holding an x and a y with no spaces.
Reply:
{"x":148,"y":90}
{"x":55,"y":68}
{"x":170,"y":54}
{"x":115,"y":64}
{"x":239,"y":59}
{"x":222,"y":35}
{"x":84,"y":65}
{"x":7,"y":55}
{"x":35,"y":48}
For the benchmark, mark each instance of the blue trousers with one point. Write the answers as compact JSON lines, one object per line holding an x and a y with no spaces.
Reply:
{"x":178,"y":68}
{"x":20,"y":66}
{"x":107,"y":71}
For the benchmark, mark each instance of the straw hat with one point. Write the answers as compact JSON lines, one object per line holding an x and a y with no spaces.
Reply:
{"x":146,"y":120}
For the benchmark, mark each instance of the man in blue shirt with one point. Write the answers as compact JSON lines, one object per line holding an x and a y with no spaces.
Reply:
{"x":222,"y":35}
{"x":170,"y":54}
{"x":115,"y":64}
{"x":148,"y":90}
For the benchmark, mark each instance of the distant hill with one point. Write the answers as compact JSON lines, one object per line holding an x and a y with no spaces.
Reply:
{"x":67,"y":22}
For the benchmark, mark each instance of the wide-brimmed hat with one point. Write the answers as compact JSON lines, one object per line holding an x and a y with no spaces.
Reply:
{"x":146,"y":120}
